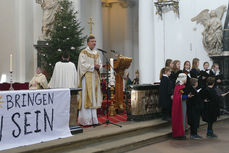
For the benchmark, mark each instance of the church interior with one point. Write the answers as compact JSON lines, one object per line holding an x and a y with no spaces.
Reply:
{"x":135,"y":36}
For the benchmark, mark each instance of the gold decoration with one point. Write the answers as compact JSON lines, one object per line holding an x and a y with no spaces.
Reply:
{"x":90,"y":55}
{"x":122,"y":3}
{"x":111,"y":107}
{"x":120,"y":65}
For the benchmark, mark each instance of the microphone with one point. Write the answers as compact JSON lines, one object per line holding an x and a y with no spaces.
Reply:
{"x":103,"y":51}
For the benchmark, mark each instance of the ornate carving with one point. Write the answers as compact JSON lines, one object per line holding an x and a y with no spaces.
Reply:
{"x":167,"y":3}
{"x":120,"y":65}
{"x":213,"y":33}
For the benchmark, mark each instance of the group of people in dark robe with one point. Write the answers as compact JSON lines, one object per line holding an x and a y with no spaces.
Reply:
{"x":189,"y":94}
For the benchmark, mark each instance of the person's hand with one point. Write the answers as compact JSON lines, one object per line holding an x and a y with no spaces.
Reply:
{"x":97,"y":66}
{"x":205,"y":100}
{"x":218,"y":81}
{"x":190,"y":95}
{"x":172,"y":97}
{"x":224,"y":94}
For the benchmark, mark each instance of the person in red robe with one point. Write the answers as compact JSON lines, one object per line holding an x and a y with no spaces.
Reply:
{"x":179,"y":107}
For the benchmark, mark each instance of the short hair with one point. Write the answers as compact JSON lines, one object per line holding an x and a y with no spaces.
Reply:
{"x":65,"y":54}
{"x":193,"y":81}
{"x":210,"y":81}
{"x":182,"y":77}
{"x":206,"y":63}
{"x":90,"y":37}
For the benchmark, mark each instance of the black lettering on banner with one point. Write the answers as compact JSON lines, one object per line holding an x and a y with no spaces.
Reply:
{"x":23,"y":100}
{"x":30,"y":100}
{"x":19,"y":129}
{"x":37,"y":114}
{"x":10,"y":104}
{"x":1,"y":127}
{"x":44,"y":99}
{"x":26,"y":124}
{"x":38,"y":94}
{"x":50,"y":98}
{"x":17,"y":97}
{"x":46,"y":118}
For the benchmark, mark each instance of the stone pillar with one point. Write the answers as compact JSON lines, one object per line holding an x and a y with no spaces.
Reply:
{"x":20,"y":18}
{"x":146,"y":41}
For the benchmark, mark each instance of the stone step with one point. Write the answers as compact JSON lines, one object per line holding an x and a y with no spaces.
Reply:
{"x":125,"y":144}
{"x":107,"y":139}
{"x":92,"y":136}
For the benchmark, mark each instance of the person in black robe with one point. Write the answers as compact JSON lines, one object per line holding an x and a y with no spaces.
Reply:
{"x":186,"y":70}
{"x":194,"y":108}
{"x":175,"y":72}
{"x":165,"y":93}
{"x":204,"y":74}
{"x":195,"y":71}
{"x":202,"y":81}
{"x":215,"y":72}
{"x":211,"y":110}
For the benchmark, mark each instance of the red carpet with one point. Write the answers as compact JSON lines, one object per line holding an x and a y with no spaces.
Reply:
{"x":114,"y":119}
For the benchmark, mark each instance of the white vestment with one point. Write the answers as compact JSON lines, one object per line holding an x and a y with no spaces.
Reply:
{"x":39,"y":81}
{"x":89,"y":81}
{"x":64,"y":76}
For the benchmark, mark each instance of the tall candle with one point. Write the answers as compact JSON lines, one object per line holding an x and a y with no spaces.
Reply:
{"x":112,"y":65}
{"x":11,"y":62}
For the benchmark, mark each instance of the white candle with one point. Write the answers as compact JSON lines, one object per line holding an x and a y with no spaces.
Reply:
{"x":112,"y":77}
{"x":11,"y":62}
{"x":112,"y":66}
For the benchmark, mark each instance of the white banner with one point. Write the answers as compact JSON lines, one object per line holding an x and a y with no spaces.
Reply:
{"x":33,"y":116}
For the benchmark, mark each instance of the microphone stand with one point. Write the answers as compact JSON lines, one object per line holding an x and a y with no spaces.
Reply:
{"x":107,"y":80}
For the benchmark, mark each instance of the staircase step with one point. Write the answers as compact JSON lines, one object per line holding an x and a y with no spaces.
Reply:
{"x":128,"y":143}
{"x":107,"y":139}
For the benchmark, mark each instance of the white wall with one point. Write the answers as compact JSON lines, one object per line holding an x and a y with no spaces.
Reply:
{"x":176,"y":38}
{"x":7,"y":37}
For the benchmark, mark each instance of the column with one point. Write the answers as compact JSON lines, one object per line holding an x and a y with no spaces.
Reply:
{"x":98,"y":28}
{"x":20,"y":19}
{"x":146,"y":42}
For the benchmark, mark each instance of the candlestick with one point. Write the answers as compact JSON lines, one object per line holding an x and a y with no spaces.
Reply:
{"x":11,"y":62}
{"x":11,"y":81}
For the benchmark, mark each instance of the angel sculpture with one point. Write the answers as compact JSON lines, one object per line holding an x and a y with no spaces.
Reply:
{"x":213,"y":32}
{"x":49,"y":10}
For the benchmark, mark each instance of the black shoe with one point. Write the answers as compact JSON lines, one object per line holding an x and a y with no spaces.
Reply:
{"x":180,"y":138}
{"x":211,"y":135}
{"x":195,"y":137}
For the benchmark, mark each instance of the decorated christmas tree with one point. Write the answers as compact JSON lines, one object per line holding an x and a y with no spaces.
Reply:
{"x":66,"y":36}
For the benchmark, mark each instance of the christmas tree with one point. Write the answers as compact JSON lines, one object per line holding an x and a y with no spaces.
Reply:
{"x":66,"y":36}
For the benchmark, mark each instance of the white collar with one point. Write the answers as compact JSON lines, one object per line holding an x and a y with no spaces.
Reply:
{"x":165,"y":75}
{"x":216,"y":73}
{"x":188,"y":70}
{"x":92,"y":51}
